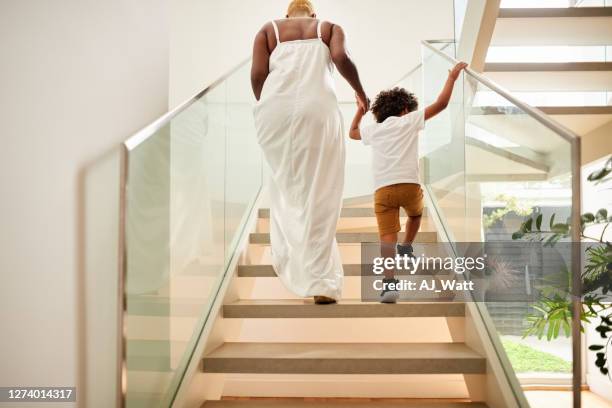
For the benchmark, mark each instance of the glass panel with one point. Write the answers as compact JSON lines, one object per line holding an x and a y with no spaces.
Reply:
{"x":488,"y":172}
{"x":506,"y":186}
{"x":185,"y":210}
{"x":443,"y":144}
{"x":358,"y":168}
{"x":244,"y":158}
{"x":148,"y":263}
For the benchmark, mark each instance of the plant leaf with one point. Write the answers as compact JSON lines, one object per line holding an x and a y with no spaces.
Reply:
{"x":560,"y":229}
{"x":552,"y":221}
{"x":588,"y":217}
{"x":602,"y":215}
{"x":528,"y":224}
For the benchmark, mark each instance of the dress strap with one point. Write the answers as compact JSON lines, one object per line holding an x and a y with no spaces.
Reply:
{"x":319,"y":29}
{"x":276,"y":31}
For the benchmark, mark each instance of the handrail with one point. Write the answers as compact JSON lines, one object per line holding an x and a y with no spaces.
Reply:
{"x":149,"y":130}
{"x":535,"y":113}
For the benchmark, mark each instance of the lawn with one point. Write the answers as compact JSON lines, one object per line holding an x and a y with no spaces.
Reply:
{"x":525,"y":359}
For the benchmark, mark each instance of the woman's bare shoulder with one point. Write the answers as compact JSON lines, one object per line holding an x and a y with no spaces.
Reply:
{"x":266,"y":28}
{"x":328,"y":28}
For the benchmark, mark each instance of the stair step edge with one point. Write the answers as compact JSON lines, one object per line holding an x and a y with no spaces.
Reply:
{"x":337,"y":403}
{"x":350,"y":237}
{"x":252,"y":310}
{"x":267,"y":271}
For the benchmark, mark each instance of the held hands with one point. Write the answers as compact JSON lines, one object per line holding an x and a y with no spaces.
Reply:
{"x":363,"y":102}
{"x":454,"y":73}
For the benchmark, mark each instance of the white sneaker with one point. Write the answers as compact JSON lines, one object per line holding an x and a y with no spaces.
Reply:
{"x":389,"y":296}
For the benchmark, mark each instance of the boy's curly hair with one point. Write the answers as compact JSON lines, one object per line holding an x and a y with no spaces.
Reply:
{"x":393,"y":102}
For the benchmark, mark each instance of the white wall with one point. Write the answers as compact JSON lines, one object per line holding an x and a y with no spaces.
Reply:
{"x":77,"y":78}
{"x":208,"y":37}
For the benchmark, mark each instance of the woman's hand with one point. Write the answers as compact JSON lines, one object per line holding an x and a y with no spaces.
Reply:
{"x":363,"y":102}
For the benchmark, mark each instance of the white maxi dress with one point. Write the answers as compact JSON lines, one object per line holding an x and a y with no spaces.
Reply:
{"x":300,"y":130}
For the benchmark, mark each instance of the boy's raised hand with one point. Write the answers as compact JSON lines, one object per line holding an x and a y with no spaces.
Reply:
{"x":454,"y":73}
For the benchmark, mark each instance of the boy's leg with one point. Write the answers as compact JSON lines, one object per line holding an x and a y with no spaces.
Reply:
{"x":413,"y":204}
{"x":388,"y":243}
{"x":412,"y":228}
{"x":387,"y":218}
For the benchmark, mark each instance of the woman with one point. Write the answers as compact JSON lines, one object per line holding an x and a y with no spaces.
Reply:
{"x":300,"y":129}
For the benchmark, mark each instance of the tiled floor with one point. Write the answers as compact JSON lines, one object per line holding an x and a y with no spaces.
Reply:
{"x":563,"y":399}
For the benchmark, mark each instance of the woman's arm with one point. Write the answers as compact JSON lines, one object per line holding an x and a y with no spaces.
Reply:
{"x":345,"y":65}
{"x":261,"y":59}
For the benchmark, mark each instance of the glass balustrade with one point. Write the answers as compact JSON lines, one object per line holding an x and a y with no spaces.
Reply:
{"x":190,"y":182}
{"x":488,"y":170}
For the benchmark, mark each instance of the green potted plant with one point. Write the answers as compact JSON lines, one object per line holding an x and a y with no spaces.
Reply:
{"x":553,"y":310}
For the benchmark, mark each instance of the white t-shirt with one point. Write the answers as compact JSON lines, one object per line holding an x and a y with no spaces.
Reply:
{"x":395,"y":148}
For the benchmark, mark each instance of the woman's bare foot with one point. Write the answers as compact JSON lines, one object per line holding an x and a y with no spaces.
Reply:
{"x":324,"y":300}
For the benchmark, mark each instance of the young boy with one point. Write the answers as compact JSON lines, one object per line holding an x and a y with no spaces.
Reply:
{"x":395,"y":163}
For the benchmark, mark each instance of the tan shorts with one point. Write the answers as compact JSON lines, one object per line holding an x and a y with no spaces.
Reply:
{"x":389,"y":199}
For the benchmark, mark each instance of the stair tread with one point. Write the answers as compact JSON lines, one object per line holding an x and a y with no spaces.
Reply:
{"x":539,"y":27}
{"x":350,"y":237}
{"x":344,"y":358}
{"x":327,"y":403}
{"x":346,"y":308}
{"x":564,"y":12}
{"x":267,"y":271}
{"x":344,"y":351}
{"x":346,"y":212}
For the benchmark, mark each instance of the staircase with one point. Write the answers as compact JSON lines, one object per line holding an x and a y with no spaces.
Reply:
{"x":269,"y":344}
{"x":573,"y":89}
{"x":206,"y":322}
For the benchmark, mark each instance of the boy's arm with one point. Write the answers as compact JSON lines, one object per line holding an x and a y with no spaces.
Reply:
{"x":444,"y":98}
{"x":355,"y":133}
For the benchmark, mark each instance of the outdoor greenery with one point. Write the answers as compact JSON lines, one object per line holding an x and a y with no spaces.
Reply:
{"x":554,"y":310}
{"x":526,"y":359}
{"x":512,"y":205}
